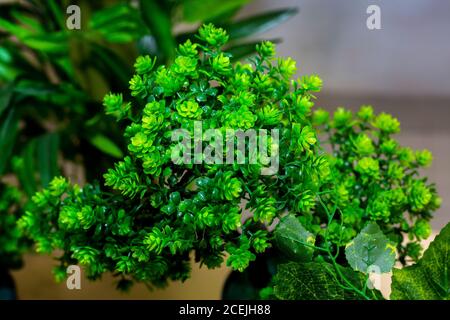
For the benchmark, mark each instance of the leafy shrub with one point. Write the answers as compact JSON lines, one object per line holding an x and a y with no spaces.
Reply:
{"x":165,"y":211}
{"x":340,"y":214}
{"x":52,"y":80}
{"x":377,"y":179}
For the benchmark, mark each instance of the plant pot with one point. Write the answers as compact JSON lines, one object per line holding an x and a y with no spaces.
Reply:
{"x":7,"y":286}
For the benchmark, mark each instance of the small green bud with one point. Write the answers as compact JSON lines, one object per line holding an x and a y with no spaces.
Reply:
{"x":387,"y":123}
{"x":266,"y":49}
{"x":216,"y":37}
{"x":424,"y":158}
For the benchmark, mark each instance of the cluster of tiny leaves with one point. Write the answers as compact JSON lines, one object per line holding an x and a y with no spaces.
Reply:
{"x":159,"y":213}
{"x":377,"y":179}
{"x":11,"y":242}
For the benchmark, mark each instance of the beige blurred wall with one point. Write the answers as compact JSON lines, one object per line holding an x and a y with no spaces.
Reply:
{"x":35,"y":281}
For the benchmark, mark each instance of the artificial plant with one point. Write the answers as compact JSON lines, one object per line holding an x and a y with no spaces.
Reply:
{"x":53,"y":79}
{"x":374,"y":179}
{"x":152,"y":214}
{"x":160,"y":212}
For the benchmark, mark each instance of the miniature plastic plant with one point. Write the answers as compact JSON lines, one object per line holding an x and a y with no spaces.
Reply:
{"x":376,"y":199}
{"x":377,"y":179}
{"x":158,"y":212}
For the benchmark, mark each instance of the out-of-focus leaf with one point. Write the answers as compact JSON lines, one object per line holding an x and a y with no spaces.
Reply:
{"x":5,"y":97}
{"x":110,"y":64}
{"x":48,"y":43}
{"x":5,"y":56}
{"x":104,"y":18}
{"x":200,"y":10}
{"x":105,"y":145}
{"x":159,"y":24}
{"x":8,"y":132}
{"x":119,"y":23}
{"x":26,"y":168}
{"x":47,"y":156}
{"x":14,"y":29}
{"x":58,"y":15}
{"x":259,"y":23}
{"x":30,"y":22}
{"x":245,"y":49}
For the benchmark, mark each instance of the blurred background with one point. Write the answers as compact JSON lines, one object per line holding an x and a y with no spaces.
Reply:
{"x":403,"y":69}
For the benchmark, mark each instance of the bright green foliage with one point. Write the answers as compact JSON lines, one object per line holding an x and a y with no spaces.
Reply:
{"x":370,"y":249}
{"x":314,"y":281}
{"x":376,"y":179}
{"x":429,"y":278}
{"x":160,"y":211}
{"x":53,"y":78}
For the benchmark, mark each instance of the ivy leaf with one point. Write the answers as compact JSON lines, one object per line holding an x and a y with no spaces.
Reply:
{"x":428,"y":279}
{"x":314,"y":281}
{"x":293,"y":239}
{"x":369,"y":249}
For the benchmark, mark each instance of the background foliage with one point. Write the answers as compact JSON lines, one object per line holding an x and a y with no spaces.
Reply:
{"x":52,"y":81}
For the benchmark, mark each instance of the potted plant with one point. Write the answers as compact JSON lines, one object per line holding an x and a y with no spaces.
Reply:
{"x":333,"y":216}
{"x":65,"y":73}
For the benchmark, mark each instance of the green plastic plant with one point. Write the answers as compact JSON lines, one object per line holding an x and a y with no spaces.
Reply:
{"x":369,"y":253}
{"x":377,"y":179}
{"x":341,"y":214}
{"x":53,"y":79}
{"x":162,"y":211}
{"x":374,"y":180}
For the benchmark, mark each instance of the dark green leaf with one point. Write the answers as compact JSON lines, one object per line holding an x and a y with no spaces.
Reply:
{"x":159,"y":24}
{"x":314,"y":281}
{"x":200,"y":10}
{"x":5,"y":97}
{"x":428,"y":279}
{"x":8,"y":132}
{"x":47,"y":156}
{"x":294,"y":240}
{"x":26,"y":171}
{"x":109,"y":63}
{"x":371,"y":249}
{"x":258,"y":24}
